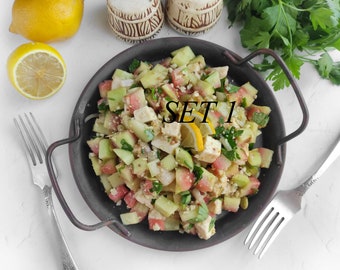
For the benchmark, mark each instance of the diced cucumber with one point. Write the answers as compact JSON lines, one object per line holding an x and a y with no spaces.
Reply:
{"x":122,"y":74}
{"x":142,"y":131}
{"x":254,"y":158}
{"x":189,"y":213}
{"x":98,"y":127}
{"x":126,"y":156}
{"x":249,"y":94}
{"x":153,"y":167}
{"x":194,"y":213}
{"x":125,"y":172}
{"x":184,"y":158}
{"x":95,"y":165}
{"x":105,"y":149}
{"x":165,"y":206}
{"x":209,"y":178}
{"x":124,"y":139}
{"x":115,"y":179}
{"x":182,"y":56}
{"x":154,"y":77}
{"x":160,"y":69}
{"x":130,"y":218}
{"x":240,"y":180}
{"x":246,"y":136}
{"x":252,"y":170}
{"x":106,"y":184}
{"x":168,"y":89}
{"x":231,"y":204}
{"x":214,"y":79}
{"x":169,"y":162}
{"x":204,"y":88}
{"x":115,"y":98}
{"x":143,"y":66}
{"x":266,"y":157}
{"x":171,"y":223}
{"x":199,"y":60}
{"x":139,"y":166}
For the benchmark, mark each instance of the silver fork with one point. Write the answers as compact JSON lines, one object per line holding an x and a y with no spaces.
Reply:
{"x":35,"y":149}
{"x":282,"y":208}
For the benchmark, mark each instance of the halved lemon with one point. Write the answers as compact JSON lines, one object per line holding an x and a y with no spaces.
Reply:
{"x":36,"y":70}
{"x":206,"y":128}
{"x":191,"y":136}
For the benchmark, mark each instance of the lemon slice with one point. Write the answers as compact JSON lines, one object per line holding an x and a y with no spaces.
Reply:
{"x":191,"y":136}
{"x":206,"y":128}
{"x":36,"y":70}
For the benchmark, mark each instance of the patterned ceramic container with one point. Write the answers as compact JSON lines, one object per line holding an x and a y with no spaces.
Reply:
{"x":193,"y":17}
{"x":135,"y":20}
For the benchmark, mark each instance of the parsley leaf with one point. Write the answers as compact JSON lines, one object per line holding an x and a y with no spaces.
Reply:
{"x":229,"y":138}
{"x":134,"y":65}
{"x":324,"y":65}
{"x":156,"y":187}
{"x":298,"y":30}
{"x":198,"y":172}
{"x":126,"y":145}
{"x":260,"y":118}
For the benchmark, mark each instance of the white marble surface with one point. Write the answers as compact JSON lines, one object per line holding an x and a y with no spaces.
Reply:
{"x":310,"y":241}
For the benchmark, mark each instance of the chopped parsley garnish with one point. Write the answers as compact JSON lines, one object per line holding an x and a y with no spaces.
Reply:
{"x":202,"y":214}
{"x":126,"y":145}
{"x":185,"y":197}
{"x":103,"y":107}
{"x":212,"y":224}
{"x":260,"y":118}
{"x":134,"y":65}
{"x":222,"y":87}
{"x":232,"y":88}
{"x":198,"y":172}
{"x":230,"y":136}
{"x":156,"y":187}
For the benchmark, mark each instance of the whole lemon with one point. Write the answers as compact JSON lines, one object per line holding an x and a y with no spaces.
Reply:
{"x":46,"y":20}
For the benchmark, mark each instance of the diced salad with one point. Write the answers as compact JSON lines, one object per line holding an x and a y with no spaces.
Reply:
{"x":175,"y":142}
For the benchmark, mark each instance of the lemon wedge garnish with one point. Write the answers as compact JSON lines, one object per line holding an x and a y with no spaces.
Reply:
{"x":191,"y":136}
{"x":36,"y":70}
{"x":206,"y":128}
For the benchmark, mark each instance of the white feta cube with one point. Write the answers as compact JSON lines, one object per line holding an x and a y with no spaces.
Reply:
{"x":163,"y":143}
{"x":212,"y":150}
{"x":145,"y":114}
{"x":172,"y":129}
{"x":204,"y":230}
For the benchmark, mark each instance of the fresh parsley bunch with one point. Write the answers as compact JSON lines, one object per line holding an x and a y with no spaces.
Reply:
{"x":299,"y":31}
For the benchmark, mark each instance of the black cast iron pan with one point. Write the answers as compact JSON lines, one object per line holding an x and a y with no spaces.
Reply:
{"x":227,"y":225}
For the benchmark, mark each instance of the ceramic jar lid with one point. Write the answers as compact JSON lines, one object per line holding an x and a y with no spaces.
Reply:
{"x":193,"y":17}
{"x":135,"y":20}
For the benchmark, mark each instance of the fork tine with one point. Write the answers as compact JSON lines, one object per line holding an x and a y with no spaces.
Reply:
{"x":32,"y":136}
{"x":254,"y":232}
{"x":265,"y":224}
{"x":30,"y":144}
{"x":39,"y":135}
{"x":270,"y":235}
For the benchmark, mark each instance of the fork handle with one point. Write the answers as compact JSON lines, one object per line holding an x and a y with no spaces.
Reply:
{"x":67,"y":259}
{"x":334,"y":154}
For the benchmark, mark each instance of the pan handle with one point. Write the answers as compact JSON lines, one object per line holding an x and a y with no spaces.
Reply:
{"x":60,"y":196}
{"x":279,"y":60}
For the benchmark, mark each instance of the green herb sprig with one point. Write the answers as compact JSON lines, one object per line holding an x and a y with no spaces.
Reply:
{"x":301,"y":31}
